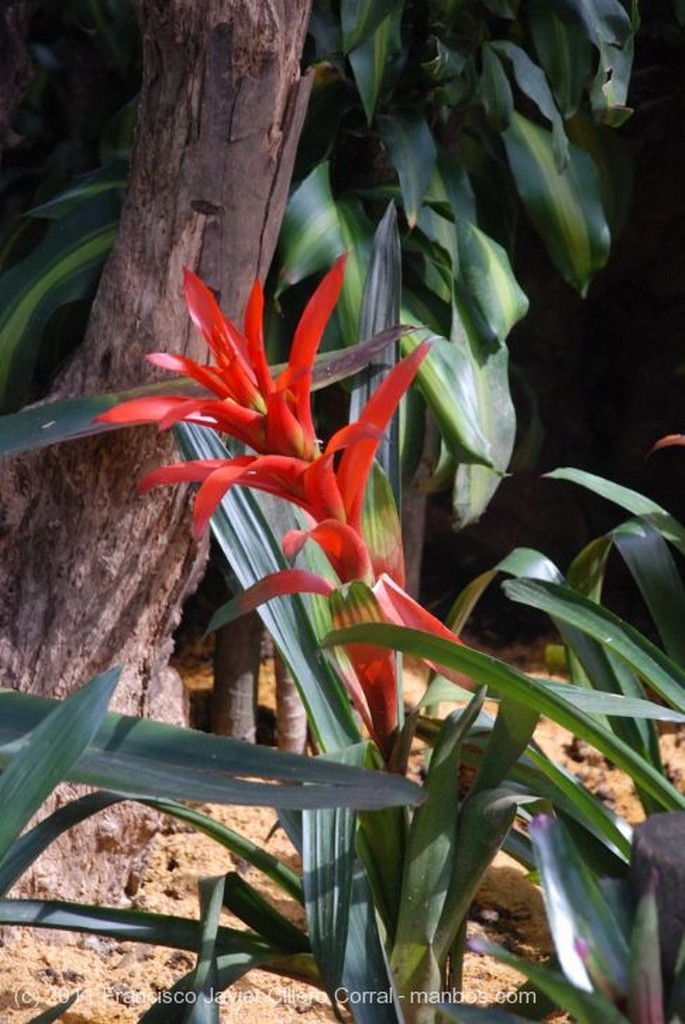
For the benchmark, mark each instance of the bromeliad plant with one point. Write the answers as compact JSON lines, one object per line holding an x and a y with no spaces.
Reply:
{"x":403,"y":880}
{"x":364,"y":578}
{"x":606,"y":940}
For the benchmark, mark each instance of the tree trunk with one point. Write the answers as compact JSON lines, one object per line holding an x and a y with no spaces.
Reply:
{"x":91,"y":574}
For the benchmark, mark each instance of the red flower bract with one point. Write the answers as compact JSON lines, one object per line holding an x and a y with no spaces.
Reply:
{"x":273,"y":418}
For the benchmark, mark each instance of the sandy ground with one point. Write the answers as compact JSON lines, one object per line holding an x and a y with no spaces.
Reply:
{"x":116,"y":982}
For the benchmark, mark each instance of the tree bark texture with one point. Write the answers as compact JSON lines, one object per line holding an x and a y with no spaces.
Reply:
{"x":91,"y":574}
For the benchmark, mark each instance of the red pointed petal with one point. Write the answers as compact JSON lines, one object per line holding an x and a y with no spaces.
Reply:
{"x":307,"y":339}
{"x":666,"y":442}
{"x":374,"y":666}
{"x":284,"y":434}
{"x":343,"y":547}
{"x":254,"y":334}
{"x":207,"y":376}
{"x":141,"y":410}
{"x":224,"y":339}
{"x":194,"y":472}
{"x":244,"y":425}
{"x":321,"y":490}
{"x":402,"y":610}
{"x":356,"y":461}
{"x":214,"y":487}
{"x":277,"y":584}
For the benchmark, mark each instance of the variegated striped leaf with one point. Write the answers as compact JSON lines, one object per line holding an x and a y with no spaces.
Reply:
{"x":565,"y":208}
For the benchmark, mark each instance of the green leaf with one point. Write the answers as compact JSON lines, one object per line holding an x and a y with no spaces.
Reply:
{"x":652,"y":567}
{"x":151,"y":759}
{"x":47,"y":755}
{"x":379,"y":310}
{"x":360,"y":19}
{"x":494,"y":90}
{"x":585,"y":1007}
{"x":589,"y":940}
{"x":645,"y":980}
{"x":203,"y":1008}
{"x":105,"y":179}
{"x":429,"y":860}
{"x":504,"y":681}
{"x":31,"y":844}
{"x":565,"y":54}
{"x":664,"y":676}
{"x":328,"y":856}
{"x":484,"y":820}
{"x":370,"y":61}
{"x":55,"y":1012}
{"x":129,"y":926}
{"x":366,"y":967}
{"x":565,"y":208}
{"x":632,"y":501}
{"x":310,"y":237}
{"x":72,"y":418}
{"x":254,"y":910}
{"x":413,"y":154}
{"x":486,"y":286}
{"x":531,"y":81}
{"x":64,"y":267}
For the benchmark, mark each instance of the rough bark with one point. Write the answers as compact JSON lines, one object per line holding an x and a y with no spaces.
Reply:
{"x":90,"y":573}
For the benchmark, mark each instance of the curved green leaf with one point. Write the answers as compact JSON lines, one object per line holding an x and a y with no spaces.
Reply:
{"x":413,"y":154}
{"x":47,"y":755}
{"x":360,"y":18}
{"x":503,"y":681}
{"x":565,"y":208}
{"x":664,"y":676}
{"x":632,"y":501}
{"x":64,"y":267}
{"x":371,"y":59}
{"x":149,"y":759}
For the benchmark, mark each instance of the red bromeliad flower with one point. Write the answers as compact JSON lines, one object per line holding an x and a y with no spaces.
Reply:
{"x":273,"y":418}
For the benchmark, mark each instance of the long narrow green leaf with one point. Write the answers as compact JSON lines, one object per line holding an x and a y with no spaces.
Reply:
{"x":203,"y":1008}
{"x":381,"y":309}
{"x":255,"y":911}
{"x":128,"y":926}
{"x":359,"y":19}
{"x":659,"y":672}
{"x":150,"y":759}
{"x":63,"y":268}
{"x":72,"y":418}
{"x":578,"y":913}
{"x":564,"y":52}
{"x":31,"y":844}
{"x":371,"y":60}
{"x":585,"y":1007}
{"x":531,"y":80}
{"x":652,"y":567}
{"x":55,"y":1012}
{"x":279,"y":873}
{"x":565,"y":208}
{"x":429,"y":861}
{"x":328,"y":858}
{"x":47,"y":755}
{"x":366,"y":968}
{"x":413,"y":154}
{"x":632,"y":501}
{"x":504,"y":681}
